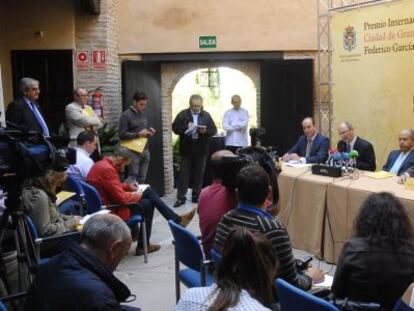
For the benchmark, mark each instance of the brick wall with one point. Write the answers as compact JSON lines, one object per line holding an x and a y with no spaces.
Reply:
{"x":99,"y":32}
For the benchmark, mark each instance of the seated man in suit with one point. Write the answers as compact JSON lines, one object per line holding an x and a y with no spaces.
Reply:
{"x":311,"y":147}
{"x":401,"y":160}
{"x":366,"y":154}
{"x":24,"y":112}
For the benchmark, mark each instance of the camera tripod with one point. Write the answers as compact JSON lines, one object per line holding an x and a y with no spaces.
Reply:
{"x":14,"y":225}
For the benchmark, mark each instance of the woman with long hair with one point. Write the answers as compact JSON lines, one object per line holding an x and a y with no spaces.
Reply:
{"x":377,"y":264}
{"x":39,"y":200}
{"x":244,"y":277}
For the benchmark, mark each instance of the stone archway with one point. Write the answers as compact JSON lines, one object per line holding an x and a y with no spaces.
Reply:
{"x":170,"y":76}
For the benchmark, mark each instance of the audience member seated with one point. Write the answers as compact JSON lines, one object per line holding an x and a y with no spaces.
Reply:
{"x":104,"y":176}
{"x":244,"y":277}
{"x":311,"y":147}
{"x":406,"y":302}
{"x":377,"y":265}
{"x":81,"y":278}
{"x":401,"y":160}
{"x":87,"y":142}
{"x":366,"y":154}
{"x":39,"y":200}
{"x":214,"y":201}
{"x":253,"y":189}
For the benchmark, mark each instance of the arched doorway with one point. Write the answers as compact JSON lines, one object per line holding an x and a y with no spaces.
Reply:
{"x":216,"y":83}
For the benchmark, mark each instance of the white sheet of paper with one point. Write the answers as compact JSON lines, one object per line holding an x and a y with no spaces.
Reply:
{"x":293,"y":164}
{"x":327,"y":282}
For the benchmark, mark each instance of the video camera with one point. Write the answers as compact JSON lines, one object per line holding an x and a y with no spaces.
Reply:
{"x":26,"y":154}
{"x":266,"y":158}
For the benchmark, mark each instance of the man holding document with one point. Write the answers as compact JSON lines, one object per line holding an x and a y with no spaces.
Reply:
{"x":195,"y":126}
{"x":134,"y":132}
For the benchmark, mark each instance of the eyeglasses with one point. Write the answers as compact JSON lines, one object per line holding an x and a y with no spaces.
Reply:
{"x":82,"y":95}
{"x":343,"y":132}
{"x":35,"y":88}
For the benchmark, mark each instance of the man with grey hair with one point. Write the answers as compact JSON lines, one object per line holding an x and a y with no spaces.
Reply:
{"x":24,"y":112}
{"x":81,"y":277}
{"x":104,"y":176}
{"x":401,"y":160}
{"x":80,"y":116}
{"x":366,"y":154}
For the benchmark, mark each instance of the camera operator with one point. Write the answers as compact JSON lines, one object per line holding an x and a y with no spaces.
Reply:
{"x":39,"y":200}
{"x":217,"y":199}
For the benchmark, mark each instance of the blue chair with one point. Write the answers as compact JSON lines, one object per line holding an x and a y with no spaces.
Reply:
{"x":37,"y":240}
{"x":188,"y":252}
{"x":292,"y":298}
{"x":74,"y":185}
{"x":2,"y":306}
{"x":94,"y":204}
{"x":215,"y":255}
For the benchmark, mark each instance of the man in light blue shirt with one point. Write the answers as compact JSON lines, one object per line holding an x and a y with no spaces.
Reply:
{"x":401,"y":160}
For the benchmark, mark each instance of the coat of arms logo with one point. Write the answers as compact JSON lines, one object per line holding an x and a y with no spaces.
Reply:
{"x":349,"y":38}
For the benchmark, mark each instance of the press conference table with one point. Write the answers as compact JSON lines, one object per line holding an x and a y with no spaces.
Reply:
{"x":319,"y":211}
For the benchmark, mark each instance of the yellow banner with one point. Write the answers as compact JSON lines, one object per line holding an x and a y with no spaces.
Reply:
{"x":373,"y":72}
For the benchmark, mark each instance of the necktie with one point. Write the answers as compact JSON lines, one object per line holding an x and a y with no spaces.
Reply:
{"x":308,"y":147}
{"x":348,"y":147}
{"x":40,"y":120}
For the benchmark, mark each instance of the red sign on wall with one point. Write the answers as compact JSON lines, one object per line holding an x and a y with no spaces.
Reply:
{"x":99,"y":59}
{"x":82,"y":60}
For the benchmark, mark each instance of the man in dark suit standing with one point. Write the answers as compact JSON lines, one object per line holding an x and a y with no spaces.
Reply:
{"x":311,"y":147}
{"x":366,"y":155}
{"x":401,"y":160}
{"x":24,"y":112}
{"x":195,"y":126}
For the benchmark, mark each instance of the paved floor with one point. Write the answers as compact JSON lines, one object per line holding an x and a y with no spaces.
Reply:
{"x":153,"y":282}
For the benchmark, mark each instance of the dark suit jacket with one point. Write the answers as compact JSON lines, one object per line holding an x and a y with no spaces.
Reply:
{"x":410,"y":171}
{"x":374,"y":272}
{"x":187,"y":144}
{"x":20,"y":113}
{"x":409,"y":161}
{"x":366,"y":158}
{"x":318,"y":152}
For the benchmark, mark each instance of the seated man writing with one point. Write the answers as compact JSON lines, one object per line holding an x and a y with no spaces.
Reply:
{"x":104,"y":176}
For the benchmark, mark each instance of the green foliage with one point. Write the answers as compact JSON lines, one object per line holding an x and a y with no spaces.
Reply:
{"x":176,"y":154}
{"x":108,"y":139}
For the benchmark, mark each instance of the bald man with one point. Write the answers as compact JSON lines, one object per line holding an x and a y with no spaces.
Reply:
{"x":399,"y":161}
{"x":311,"y":147}
{"x":366,"y":155}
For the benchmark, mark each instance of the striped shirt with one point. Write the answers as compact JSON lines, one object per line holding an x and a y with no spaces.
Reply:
{"x":275,"y":232}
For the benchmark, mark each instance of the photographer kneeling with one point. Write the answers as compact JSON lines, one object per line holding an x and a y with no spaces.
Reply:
{"x":39,"y":200}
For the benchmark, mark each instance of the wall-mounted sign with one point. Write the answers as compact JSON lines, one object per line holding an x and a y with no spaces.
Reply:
{"x":99,"y":59}
{"x":82,"y":60}
{"x":207,"y":42}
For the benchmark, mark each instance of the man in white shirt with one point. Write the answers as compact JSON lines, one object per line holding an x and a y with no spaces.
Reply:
{"x":80,"y":116}
{"x":235,"y":123}
{"x":87,"y":142}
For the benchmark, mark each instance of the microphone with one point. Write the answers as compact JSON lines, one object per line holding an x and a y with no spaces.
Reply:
{"x":341,"y":146}
{"x":337,"y":156}
{"x":354,"y":156}
{"x":345,"y":160}
{"x":332,"y":151}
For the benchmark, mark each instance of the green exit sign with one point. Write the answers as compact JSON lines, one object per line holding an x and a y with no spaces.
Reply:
{"x":207,"y":42}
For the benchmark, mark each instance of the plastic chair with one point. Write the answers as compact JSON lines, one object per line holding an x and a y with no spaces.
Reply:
{"x":188,"y":252}
{"x":292,"y":298}
{"x":74,"y":185}
{"x":37,"y":240}
{"x":215,"y":255}
{"x":94,"y":204}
